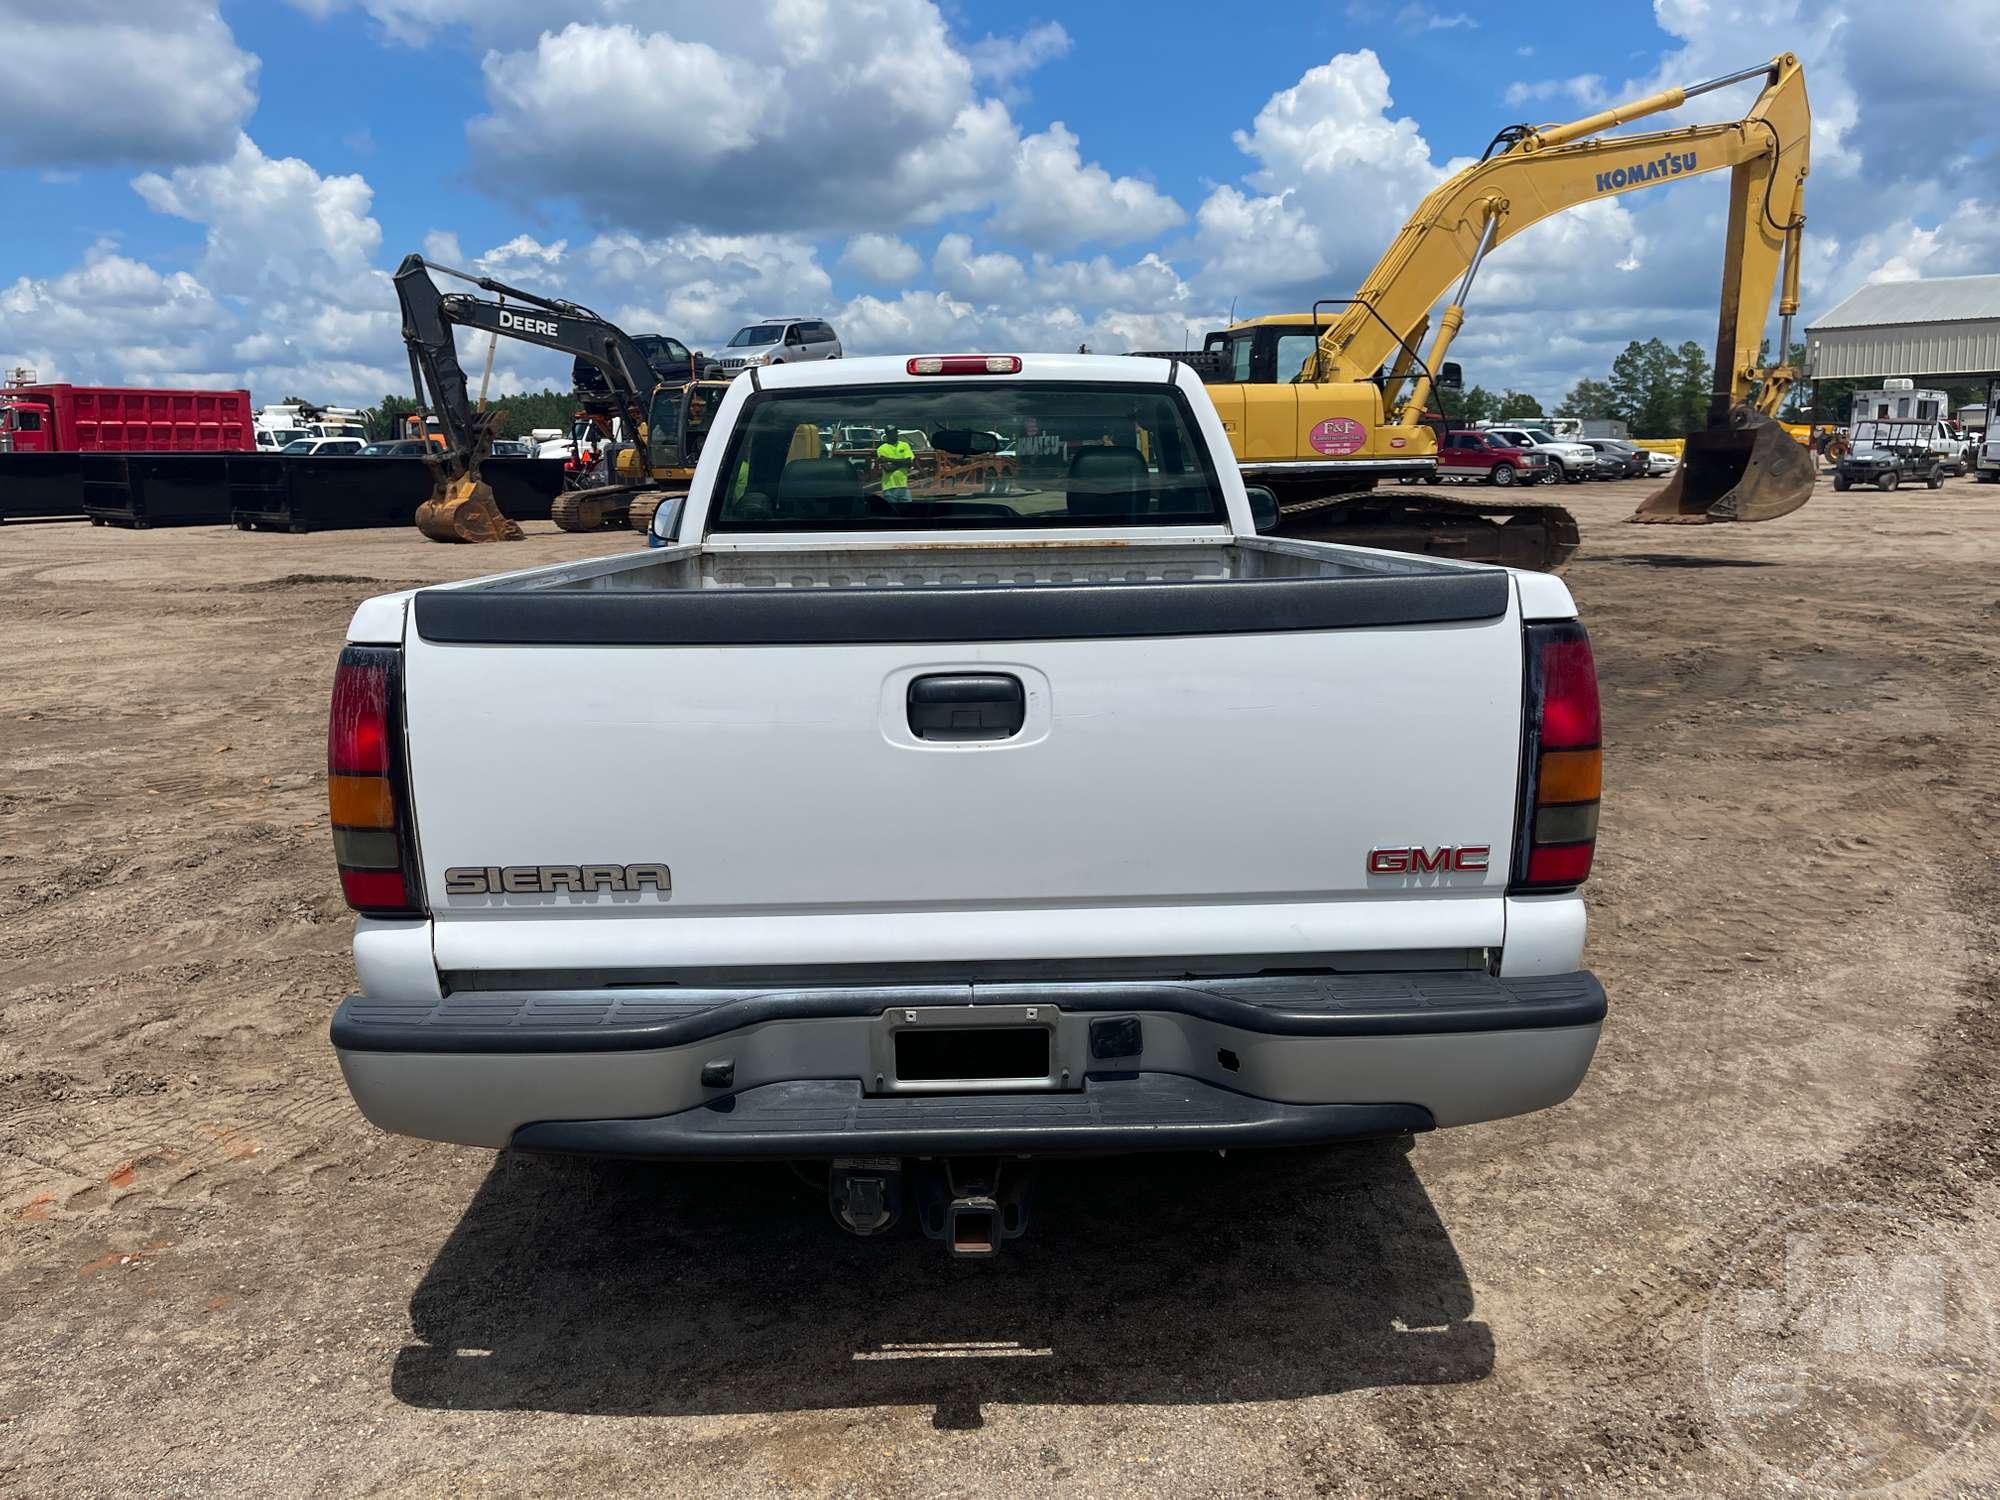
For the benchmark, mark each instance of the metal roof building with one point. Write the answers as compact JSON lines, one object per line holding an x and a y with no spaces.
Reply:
{"x":1947,"y":326}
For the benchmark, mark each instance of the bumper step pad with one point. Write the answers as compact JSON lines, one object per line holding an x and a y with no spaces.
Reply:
{"x":1400,"y":1004}
{"x":1130,"y":1112}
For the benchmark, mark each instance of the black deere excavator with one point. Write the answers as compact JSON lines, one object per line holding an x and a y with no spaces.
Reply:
{"x":662,"y":415}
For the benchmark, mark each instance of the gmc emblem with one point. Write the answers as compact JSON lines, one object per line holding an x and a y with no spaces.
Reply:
{"x":1446,"y":859}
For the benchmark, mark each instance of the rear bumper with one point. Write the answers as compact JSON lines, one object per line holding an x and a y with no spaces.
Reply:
{"x":811,"y":1072}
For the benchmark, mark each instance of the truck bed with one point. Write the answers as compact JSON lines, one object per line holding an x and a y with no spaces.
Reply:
{"x":1001,"y":592}
{"x":961,"y":564}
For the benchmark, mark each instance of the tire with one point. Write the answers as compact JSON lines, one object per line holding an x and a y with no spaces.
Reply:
{"x":1841,"y":483}
{"x":1503,"y":475}
{"x":1889,"y":481}
{"x":1574,"y":476}
{"x":1936,"y":480}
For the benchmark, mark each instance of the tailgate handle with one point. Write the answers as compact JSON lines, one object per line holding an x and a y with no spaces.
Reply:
{"x":967,"y":706}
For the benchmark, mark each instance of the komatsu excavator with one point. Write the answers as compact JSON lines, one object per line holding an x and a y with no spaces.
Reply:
{"x":666,"y":417}
{"x":1321,"y":405}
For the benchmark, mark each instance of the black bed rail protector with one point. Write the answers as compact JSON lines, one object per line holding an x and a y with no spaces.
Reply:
{"x":1024,"y":612}
{"x":1324,"y":1005}
{"x":1134,"y":1112}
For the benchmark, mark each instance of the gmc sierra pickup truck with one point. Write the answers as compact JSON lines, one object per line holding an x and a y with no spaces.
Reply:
{"x":920,"y":835}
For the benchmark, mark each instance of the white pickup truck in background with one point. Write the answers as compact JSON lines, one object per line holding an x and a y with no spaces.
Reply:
{"x":922,"y":833}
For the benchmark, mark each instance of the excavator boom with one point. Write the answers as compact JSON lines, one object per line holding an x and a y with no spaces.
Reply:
{"x":1741,"y":466}
{"x":1320,"y":408}
{"x":462,"y":507}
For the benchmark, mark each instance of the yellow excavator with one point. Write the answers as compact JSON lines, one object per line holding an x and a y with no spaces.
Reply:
{"x":1322,"y":405}
{"x":666,"y":418}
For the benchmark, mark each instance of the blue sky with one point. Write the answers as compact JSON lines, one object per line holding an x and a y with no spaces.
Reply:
{"x":202,"y":192}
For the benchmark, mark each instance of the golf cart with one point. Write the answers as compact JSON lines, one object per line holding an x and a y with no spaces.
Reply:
{"x":1890,"y":454}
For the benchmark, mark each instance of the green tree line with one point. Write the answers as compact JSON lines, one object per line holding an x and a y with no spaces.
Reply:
{"x":519,"y":413}
{"x":1480,"y":405}
{"x":1658,"y":392}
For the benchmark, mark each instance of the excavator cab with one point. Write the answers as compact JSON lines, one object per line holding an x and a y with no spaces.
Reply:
{"x":1748,"y":470}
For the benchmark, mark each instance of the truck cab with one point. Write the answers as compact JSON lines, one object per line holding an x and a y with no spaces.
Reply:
{"x":26,"y":425}
{"x":1468,"y":454}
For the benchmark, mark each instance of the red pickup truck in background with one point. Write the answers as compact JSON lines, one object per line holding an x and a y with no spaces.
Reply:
{"x":1486,"y":458}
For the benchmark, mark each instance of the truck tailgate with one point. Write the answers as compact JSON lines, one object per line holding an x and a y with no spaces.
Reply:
{"x":1211,"y":792}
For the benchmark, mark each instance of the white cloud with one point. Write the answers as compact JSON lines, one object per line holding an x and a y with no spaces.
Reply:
{"x":1001,"y":59}
{"x":273,"y":224}
{"x":95,"y":82}
{"x":989,"y":277}
{"x":760,"y":118}
{"x":881,"y":258}
{"x":776,"y":148}
{"x":1054,"y":200}
{"x":1586,"y":89}
{"x":828,"y":116}
{"x":284,"y":297}
{"x":1336,"y":175}
{"x":700,"y":287}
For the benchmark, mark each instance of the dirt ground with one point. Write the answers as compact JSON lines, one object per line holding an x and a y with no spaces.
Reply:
{"x":214,"y":1276}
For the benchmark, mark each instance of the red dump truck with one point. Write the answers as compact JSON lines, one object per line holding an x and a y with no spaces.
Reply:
{"x":122,"y":419}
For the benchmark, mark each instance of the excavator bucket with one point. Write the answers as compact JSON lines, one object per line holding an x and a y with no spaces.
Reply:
{"x":464,"y":510}
{"x":1753,"y":470}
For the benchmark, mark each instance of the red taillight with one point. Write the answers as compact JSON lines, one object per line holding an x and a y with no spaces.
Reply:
{"x":965,"y":364}
{"x":1569,"y":694}
{"x":357,"y":730}
{"x":1562,"y":765}
{"x":374,"y":890}
{"x":371,"y":843}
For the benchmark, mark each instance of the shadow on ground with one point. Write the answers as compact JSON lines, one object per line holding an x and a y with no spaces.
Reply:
{"x":625,"y":1288}
{"x":1683,"y":560}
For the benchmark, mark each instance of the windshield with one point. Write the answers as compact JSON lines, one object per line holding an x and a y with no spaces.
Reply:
{"x":1540,"y":435}
{"x":302,"y":445}
{"x":762,"y":333}
{"x":935,"y":455}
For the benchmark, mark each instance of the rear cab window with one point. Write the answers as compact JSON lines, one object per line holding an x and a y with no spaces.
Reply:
{"x":930,"y":455}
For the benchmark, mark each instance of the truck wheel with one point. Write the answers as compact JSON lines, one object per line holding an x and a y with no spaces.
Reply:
{"x":1888,"y":481}
{"x":1574,"y":476}
{"x":1503,"y":474}
{"x":1936,"y":481}
{"x":1841,"y":482}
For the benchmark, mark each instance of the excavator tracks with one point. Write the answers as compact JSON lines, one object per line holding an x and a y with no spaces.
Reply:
{"x":1540,"y":537}
{"x":603,"y":509}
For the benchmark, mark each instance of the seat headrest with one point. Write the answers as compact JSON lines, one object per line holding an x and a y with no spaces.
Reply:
{"x":819,"y":487}
{"x":1109,"y":481}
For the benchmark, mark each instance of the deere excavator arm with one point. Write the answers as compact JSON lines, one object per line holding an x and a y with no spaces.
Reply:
{"x":462,"y":509}
{"x":430,"y":315}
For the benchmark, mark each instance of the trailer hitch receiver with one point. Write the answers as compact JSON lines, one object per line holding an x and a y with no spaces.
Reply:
{"x":974,"y":1204}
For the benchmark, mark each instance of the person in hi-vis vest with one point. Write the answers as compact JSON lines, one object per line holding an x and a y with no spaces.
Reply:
{"x":895,"y":454}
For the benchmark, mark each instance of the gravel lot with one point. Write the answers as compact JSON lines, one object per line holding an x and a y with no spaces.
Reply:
{"x":214,"y":1275}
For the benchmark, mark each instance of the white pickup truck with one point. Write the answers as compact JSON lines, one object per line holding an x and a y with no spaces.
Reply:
{"x":918,"y":832}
